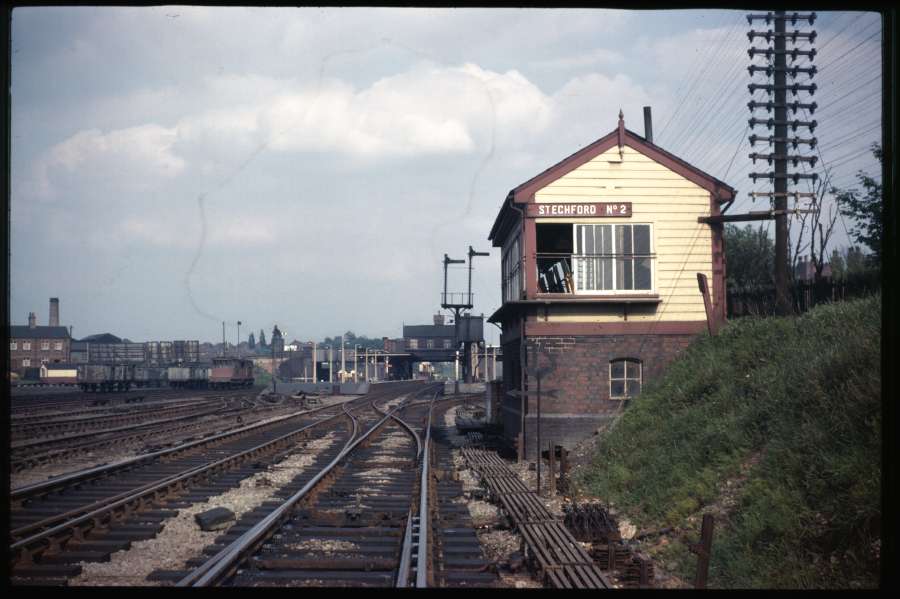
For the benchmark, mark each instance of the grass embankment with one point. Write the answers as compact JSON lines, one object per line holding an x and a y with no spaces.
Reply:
{"x":775,"y":427}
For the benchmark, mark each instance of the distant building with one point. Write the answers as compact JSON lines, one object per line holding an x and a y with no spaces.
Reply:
{"x":277,"y":344}
{"x":31,"y":345}
{"x":806,"y":269}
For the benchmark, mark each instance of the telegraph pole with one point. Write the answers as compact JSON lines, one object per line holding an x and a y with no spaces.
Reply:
{"x":782,"y":298}
{"x":777,"y":70}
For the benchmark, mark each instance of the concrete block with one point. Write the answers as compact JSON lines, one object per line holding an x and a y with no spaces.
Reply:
{"x":215,"y":519}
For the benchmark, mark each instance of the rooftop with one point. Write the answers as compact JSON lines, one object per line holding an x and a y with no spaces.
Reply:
{"x":38,"y":332}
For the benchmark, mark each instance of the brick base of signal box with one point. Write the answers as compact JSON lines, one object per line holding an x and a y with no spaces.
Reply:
{"x":580,"y":380}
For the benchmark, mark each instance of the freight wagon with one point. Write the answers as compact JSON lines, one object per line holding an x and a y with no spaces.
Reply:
{"x":150,"y":376}
{"x":230,"y":373}
{"x":58,"y":374}
{"x":188,"y":376}
{"x":105,"y":377}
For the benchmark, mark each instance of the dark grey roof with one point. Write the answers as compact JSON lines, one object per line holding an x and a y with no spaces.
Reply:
{"x":102,"y":338}
{"x":428,"y":330}
{"x":26,"y":332}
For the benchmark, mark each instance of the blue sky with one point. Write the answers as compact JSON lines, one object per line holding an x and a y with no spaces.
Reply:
{"x":338,"y":153}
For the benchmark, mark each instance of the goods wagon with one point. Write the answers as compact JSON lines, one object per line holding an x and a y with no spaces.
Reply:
{"x":231,"y":372}
{"x":149,"y":376}
{"x":105,"y":377}
{"x":58,"y":375}
{"x":187,"y":376}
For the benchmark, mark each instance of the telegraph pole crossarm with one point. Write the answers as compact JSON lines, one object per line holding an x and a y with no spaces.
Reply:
{"x":776,"y":70}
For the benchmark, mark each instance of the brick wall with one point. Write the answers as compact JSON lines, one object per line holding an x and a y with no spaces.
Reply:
{"x":580,"y":380}
{"x":37,"y":355}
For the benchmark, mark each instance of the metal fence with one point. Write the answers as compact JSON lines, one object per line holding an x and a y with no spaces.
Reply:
{"x":760,"y":301}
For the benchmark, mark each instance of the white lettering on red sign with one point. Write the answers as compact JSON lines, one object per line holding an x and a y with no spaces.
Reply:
{"x":584,"y":209}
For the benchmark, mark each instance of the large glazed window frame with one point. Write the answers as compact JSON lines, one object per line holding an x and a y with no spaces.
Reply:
{"x":613,"y":259}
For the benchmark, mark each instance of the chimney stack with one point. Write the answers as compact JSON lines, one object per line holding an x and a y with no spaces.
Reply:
{"x":54,"y":312}
{"x":438,"y":319}
{"x":32,"y":320}
{"x":648,"y":125}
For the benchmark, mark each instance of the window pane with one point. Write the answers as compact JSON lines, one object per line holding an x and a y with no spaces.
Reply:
{"x":606,"y":236}
{"x":617,"y":369}
{"x":642,"y":278}
{"x":607,"y":273}
{"x":633,"y":387}
{"x":633,"y":369}
{"x":641,"y":239}
{"x":624,"y":276}
{"x":617,"y":388}
{"x":623,"y":239}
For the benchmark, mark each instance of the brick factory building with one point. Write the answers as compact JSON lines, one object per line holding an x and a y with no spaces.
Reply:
{"x":31,"y":345}
{"x":600,"y":255}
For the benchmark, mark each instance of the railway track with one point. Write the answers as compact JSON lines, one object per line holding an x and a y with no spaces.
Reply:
{"x":30,"y":454}
{"x":376,"y":513}
{"x":37,"y":403}
{"x":46,"y":426}
{"x":89,"y":514}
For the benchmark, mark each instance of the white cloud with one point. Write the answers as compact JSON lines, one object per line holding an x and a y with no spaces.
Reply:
{"x":134,"y":157}
{"x":597,"y":56}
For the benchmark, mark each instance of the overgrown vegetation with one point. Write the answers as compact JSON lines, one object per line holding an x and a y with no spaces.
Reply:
{"x":775,"y":427}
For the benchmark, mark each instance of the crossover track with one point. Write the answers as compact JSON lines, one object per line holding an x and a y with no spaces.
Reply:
{"x":89,"y":514}
{"x":344,"y":525}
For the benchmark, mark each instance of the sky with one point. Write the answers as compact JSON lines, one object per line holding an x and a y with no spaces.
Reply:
{"x":176,"y":167}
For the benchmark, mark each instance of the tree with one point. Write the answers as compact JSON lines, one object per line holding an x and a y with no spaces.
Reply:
{"x":262,"y":339}
{"x":749,"y":257}
{"x":864,"y":208}
{"x":251,"y":341}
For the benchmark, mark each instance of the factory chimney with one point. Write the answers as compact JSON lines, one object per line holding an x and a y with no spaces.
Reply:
{"x":438,"y":319}
{"x":54,"y":312}
{"x":32,"y":320}
{"x":648,"y":125}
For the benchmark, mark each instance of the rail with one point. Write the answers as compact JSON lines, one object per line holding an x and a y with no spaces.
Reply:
{"x":222,"y":564}
{"x":48,"y":486}
{"x":92,"y":515}
{"x":403,"y":572}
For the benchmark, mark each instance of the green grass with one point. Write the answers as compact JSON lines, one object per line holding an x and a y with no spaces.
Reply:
{"x":789,"y":411}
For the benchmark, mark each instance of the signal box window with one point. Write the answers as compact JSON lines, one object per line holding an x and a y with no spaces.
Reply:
{"x":624,"y":378}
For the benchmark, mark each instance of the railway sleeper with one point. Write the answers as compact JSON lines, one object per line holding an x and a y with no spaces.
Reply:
{"x":366,"y":564}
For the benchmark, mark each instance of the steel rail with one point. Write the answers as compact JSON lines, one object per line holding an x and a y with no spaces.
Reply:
{"x":28,"y":491}
{"x":111,"y":503}
{"x":51,"y":425}
{"x":223,"y":563}
{"x":129,"y":498}
{"x":403,"y":570}
{"x":47,"y":441}
{"x":424,"y":513}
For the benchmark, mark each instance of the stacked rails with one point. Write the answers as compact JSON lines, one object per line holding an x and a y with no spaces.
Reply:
{"x":560,"y":559}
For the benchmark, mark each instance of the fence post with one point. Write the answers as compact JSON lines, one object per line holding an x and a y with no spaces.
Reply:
{"x":551,"y":475}
{"x":703,"y":550}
